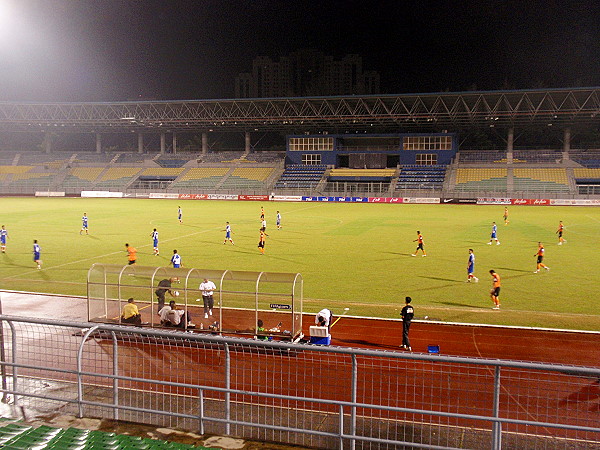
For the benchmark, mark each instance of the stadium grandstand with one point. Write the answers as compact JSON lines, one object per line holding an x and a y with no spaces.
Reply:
{"x":434,"y":155}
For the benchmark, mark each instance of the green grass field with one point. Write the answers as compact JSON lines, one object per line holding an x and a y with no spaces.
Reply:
{"x":350,"y":255}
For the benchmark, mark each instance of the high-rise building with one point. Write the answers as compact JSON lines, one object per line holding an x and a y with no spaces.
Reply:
{"x":306,"y":73}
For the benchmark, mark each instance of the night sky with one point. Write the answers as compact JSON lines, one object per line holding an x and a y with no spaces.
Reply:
{"x":110,"y":50}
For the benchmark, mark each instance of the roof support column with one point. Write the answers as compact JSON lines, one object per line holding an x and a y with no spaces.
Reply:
{"x":47,"y":142}
{"x":510,"y":139}
{"x":162,"y":143}
{"x":566,"y":144}
{"x":204,"y":143}
{"x":248,"y":147}
{"x":98,"y":143}
{"x":567,"y":139}
{"x":140,"y":143}
{"x":174,"y":142}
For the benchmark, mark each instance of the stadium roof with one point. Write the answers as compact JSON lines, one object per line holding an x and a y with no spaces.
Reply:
{"x":375,"y":113}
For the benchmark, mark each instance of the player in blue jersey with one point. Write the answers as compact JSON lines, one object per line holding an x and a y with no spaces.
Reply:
{"x":176,"y":259}
{"x":179,"y":214}
{"x":84,"y":224}
{"x":228,"y":233}
{"x":471,"y":267}
{"x":494,"y":235}
{"x":3,"y":238}
{"x":36,"y":254}
{"x":154,"y":236}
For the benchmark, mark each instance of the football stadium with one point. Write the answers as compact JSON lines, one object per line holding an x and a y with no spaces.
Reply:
{"x":299,"y":225}
{"x":349,"y":223}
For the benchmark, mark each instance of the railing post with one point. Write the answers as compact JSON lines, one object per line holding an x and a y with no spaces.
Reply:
{"x":227,"y":393}
{"x":341,"y":427}
{"x":13,"y":334}
{"x":201,"y":411}
{"x":353,"y":398}
{"x":80,"y":369}
{"x":497,"y":426}
{"x":116,"y":374}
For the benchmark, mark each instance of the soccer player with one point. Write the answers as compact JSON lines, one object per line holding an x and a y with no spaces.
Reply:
{"x":471,"y":267}
{"x":228,"y":234}
{"x":261,"y":241}
{"x":494,"y":234}
{"x":3,"y":238}
{"x":419,"y":241}
{"x":36,"y":254}
{"x":278,"y":221}
{"x":176,"y":260}
{"x":560,"y":230}
{"x":154,"y":236}
{"x":506,"y":216}
{"x":84,"y":224}
{"x":495,"y":292}
{"x":179,"y":215}
{"x":540,"y":258}
{"x":262,"y":213}
{"x":131,"y":254}
{"x":263,"y":223}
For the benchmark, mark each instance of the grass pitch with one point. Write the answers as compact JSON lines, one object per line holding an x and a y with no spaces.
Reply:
{"x":350,"y":255}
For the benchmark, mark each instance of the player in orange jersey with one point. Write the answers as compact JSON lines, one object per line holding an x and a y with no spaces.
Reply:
{"x":419,"y":241}
{"x":131,"y":254}
{"x":560,"y":230}
{"x":261,"y":241}
{"x":540,"y":258}
{"x":495,"y":291}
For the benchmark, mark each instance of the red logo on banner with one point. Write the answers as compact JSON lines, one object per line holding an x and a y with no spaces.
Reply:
{"x":193,"y":197}
{"x":519,"y":201}
{"x":254,"y":197}
{"x":543,"y":201}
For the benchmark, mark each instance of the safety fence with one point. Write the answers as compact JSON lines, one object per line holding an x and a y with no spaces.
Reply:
{"x":323,"y":397}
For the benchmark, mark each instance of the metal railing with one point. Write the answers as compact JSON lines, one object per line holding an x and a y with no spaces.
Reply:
{"x":323,"y":397}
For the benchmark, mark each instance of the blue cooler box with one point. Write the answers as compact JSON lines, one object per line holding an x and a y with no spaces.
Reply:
{"x":320,"y":335}
{"x":326,"y":340}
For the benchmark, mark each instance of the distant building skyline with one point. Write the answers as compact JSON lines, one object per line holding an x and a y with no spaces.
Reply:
{"x":306,"y":73}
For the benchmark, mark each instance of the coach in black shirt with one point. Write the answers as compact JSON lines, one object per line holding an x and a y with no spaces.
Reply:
{"x":407,"y":314}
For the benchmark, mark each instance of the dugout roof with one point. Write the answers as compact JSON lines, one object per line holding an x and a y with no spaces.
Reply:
{"x":375,"y":113}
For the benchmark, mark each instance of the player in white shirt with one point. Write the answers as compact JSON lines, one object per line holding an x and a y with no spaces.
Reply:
{"x":228,"y":233}
{"x":278,"y":220}
{"x":3,"y":238}
{"x":154,"y":236}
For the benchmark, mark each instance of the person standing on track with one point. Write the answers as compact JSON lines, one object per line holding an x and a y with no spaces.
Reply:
{"x":471,"y":267}
{"x":37,"y":250}
{"x":228,"y":234}
{"x":495,"y":291}
{"x":560,"y":230}
{"x":540,"y":259}
{"x":494,"y":235}
{"x":131,"y":254}
{"x":207,"y":287}
{"x":419,"y":241}
{"x":3,"y":238}
{"x":163,"y":287}
{"x":407,"y":315}
{"x":154,"y":236}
